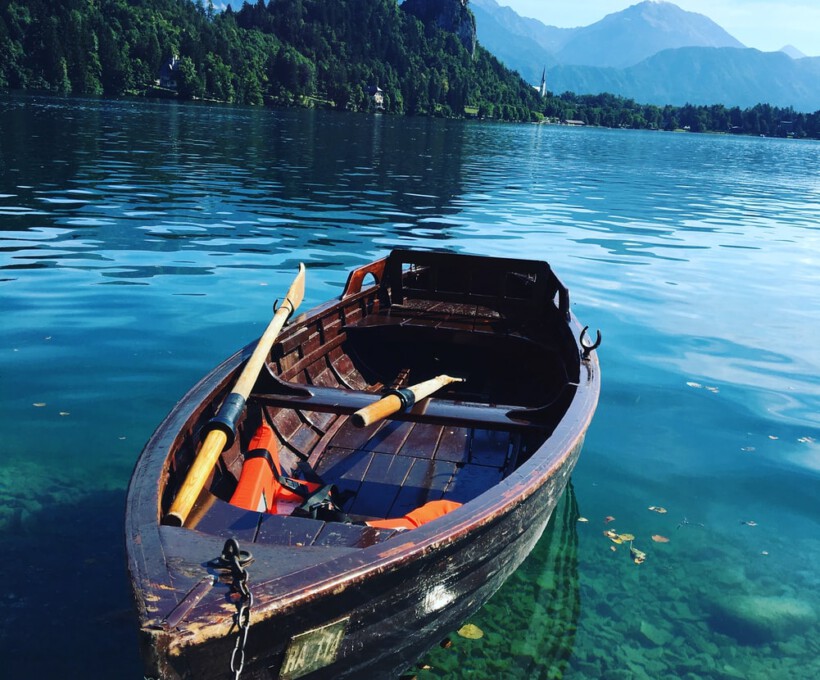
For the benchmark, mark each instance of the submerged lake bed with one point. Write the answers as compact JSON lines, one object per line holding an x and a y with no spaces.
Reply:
{"x":142,"y":243}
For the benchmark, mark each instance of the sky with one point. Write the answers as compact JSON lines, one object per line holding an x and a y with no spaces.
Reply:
{"x":766,"y":25}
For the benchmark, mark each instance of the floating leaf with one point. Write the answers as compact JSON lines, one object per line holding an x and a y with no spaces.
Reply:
{"x":658,"y":509}
{"x":608,"y":519}
{"x":471,"y":631}
{"x":660,"y":539}
{"x":626,"y":537}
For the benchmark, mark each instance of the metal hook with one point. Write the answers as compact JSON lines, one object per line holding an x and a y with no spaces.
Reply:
{"x":588,"y":348}
{"x":288,"y":302}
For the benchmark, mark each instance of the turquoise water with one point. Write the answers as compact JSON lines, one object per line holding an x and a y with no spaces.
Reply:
{"x":142,"y":243}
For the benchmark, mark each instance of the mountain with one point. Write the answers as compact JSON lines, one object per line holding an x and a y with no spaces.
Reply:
{"x":696,"y":75}
{"x":628,"y":37}
{"x":653,"y":52}
{"x":498,"y":24}
{"x":618,"y":40}
{"x":792,"y":51}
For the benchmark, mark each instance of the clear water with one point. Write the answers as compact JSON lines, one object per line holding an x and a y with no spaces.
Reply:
{"x":142,"y":243}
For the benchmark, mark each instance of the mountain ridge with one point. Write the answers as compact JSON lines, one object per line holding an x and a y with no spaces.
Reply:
{"x":740,"y":77}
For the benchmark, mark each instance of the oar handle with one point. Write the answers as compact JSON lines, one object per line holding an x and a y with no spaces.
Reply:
{"x":221,"y":430}
{"x":400,"y":400}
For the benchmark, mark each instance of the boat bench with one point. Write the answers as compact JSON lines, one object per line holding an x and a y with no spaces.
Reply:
{"x":246,"y":526}
{"x":430,"y":410}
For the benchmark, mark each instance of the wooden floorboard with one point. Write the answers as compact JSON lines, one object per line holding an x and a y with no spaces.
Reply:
{"x":422,"y":441}
{"x":454,"y":445}
{"x":390,"y":438}
{"x":426,"y":481}
{"x":491,"y":447}
{"x":470,"y":482}
{"x":381,"y":485}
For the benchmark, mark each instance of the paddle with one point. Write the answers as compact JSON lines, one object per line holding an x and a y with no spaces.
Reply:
{"x":400,"y":400}
{"x":221,"y":429}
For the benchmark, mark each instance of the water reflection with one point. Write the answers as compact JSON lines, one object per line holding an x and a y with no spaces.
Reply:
{"x":168,"y":179}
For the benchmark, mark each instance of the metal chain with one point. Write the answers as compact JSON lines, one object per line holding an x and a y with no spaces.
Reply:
{"x":234,"y":559}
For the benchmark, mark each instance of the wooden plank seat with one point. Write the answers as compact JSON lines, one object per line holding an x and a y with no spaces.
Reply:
{"x":229,"y":521}
{"x":430,"y":410}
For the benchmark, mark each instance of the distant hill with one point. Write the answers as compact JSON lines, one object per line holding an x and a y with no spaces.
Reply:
{"x":653,"y":52}
{"x":628,"y":37}
{"x":696,"y":75}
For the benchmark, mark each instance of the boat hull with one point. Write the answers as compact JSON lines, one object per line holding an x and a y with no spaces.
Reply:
{"x":340,"y":601}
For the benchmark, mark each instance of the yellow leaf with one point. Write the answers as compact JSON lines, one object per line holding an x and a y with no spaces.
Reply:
{"x":471,"y":631}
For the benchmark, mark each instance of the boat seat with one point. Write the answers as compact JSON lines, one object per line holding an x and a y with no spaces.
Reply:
{"x":248,"y":526}
{"x":430,"y":410}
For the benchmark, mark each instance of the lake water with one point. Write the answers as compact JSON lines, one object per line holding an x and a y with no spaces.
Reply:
{"x":141,"y":243}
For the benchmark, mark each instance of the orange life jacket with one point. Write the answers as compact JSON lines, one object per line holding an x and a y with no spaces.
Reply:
{"x":262,"y":486}
{"x":426,"y":513}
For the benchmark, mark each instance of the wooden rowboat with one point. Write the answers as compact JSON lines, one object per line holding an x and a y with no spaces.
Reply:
{"x":270,"y":594}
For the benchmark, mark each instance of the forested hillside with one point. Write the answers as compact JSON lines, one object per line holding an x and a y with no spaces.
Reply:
{"x":303,"y":52}
{"x":313,"y":53}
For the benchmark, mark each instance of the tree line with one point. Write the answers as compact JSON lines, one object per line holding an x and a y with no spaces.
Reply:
{"x":613,"y":111}
{"x":300,"y":52}
{"x":330,"y":53}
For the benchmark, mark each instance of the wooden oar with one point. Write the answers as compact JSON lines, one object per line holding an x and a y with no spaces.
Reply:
{"x":221,"y":430}
{"x":400,"y":400}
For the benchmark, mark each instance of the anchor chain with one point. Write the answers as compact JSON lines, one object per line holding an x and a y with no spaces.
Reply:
{"x":234,"y":560}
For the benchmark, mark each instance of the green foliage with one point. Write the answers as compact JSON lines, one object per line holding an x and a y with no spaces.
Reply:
{"x":609,"y":110}
{"x":311,"y":52}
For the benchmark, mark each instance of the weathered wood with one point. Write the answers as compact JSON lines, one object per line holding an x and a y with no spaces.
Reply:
{"x":503,"y":444}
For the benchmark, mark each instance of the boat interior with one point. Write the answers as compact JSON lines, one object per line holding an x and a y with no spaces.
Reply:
{"x":502,"y":329}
